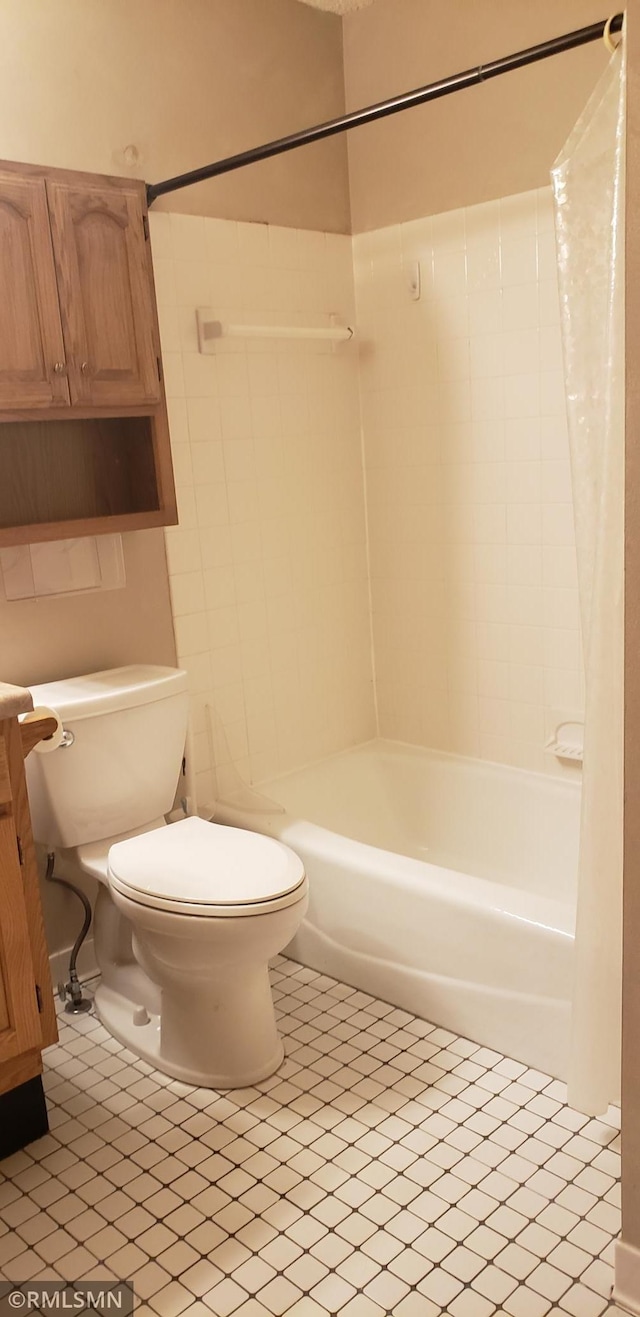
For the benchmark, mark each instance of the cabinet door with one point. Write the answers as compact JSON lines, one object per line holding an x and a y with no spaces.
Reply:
{"x":18,"y":741}
{"x":32,"y":359}
{"x":20,"y":1029}
{"x":106,"y":293}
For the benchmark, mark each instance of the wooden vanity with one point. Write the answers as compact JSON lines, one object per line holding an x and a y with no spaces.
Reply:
{"x":27,"y":1009}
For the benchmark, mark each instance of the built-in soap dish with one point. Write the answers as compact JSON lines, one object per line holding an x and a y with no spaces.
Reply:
{"x":567,"y":742}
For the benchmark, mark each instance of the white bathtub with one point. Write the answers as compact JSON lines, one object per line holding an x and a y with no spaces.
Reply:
{"x":443,"y":885}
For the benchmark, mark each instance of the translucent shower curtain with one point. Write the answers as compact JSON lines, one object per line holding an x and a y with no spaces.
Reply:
{"x":588,"y":183}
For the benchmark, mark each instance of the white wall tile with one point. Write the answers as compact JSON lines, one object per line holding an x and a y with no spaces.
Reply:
{"x":268,"y":566}
{"x":471,"y":549}
{"x":480,"y":670}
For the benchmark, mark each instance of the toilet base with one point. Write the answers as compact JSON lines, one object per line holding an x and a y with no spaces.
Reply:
{"x":118,"y":1015}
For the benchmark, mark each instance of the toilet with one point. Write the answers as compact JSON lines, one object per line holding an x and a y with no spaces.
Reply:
{"x":188,"y":914}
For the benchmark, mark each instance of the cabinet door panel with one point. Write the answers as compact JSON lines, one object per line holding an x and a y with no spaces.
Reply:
{"x":106,"y":294}
{"x":20,"y":1029}
{"x":16,"y":745}
{"x":31,"y":343}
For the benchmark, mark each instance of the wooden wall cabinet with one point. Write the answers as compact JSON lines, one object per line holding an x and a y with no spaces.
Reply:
{"x":79,"y":342}
{"x":27,"y":1011}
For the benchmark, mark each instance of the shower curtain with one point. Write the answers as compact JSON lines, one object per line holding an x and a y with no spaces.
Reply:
{"x":588,"y":184}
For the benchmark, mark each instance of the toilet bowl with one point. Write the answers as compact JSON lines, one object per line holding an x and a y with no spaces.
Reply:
{"x":208,"y":906}
{"x":188,"y":914}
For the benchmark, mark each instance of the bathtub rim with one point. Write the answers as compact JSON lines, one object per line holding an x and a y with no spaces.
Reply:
{"x":571,"y":779}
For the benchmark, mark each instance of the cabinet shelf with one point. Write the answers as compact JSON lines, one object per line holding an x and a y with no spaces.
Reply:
{"x":74,"y":477}
{"x":67,"y":470}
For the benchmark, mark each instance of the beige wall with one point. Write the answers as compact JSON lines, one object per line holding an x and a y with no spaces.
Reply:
{"x":631,"y":967}
{"x":186,"y":82}
{"x":476,"y":145}
{"x":48,"y":638}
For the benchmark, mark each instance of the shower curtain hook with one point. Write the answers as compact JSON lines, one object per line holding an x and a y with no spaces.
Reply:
{"x":610,"y":45}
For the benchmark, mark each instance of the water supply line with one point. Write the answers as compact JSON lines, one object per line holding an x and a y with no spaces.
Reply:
{"x":71,"y":992}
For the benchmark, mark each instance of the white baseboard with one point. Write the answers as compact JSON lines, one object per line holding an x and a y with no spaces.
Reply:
{"x":626,"y":1285}
{"x":59,"y":963}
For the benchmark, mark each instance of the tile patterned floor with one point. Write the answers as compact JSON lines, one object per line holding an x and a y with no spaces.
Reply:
{"x":390,"y":1167}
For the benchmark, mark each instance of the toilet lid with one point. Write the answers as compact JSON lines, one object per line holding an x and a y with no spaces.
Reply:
{"x":195,"y":863}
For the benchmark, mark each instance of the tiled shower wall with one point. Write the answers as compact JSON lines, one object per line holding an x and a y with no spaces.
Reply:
{"x":473,"y":570}
{"x":268,"y":567}
{"x":471,"y":580}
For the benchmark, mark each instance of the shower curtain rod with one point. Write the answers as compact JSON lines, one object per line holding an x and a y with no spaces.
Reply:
{"x":457,"y":82}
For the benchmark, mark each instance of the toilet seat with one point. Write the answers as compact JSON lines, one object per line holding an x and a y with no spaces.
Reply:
{"x":205,"y":869}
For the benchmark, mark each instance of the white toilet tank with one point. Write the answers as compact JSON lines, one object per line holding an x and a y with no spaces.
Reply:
{"x":120,"y":768}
